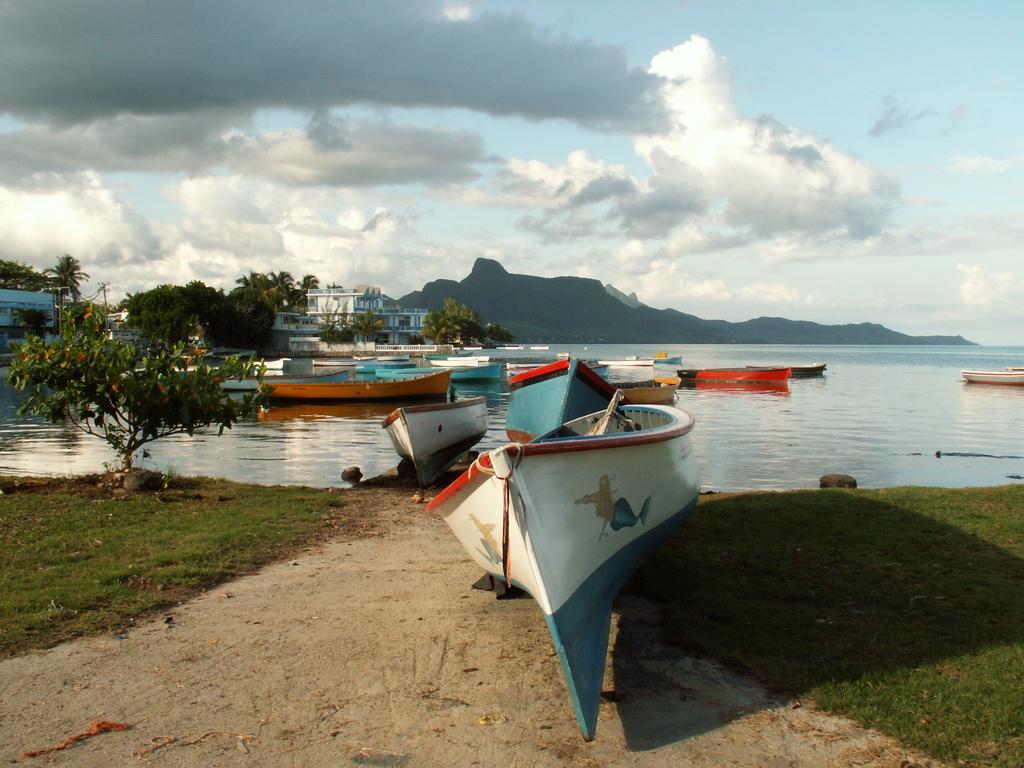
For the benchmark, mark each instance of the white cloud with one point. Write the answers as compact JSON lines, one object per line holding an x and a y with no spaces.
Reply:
{"x":975,"y":164}
{"x":983,"y":289}
{"x":54,"y":215}
{"x":759,"y":177}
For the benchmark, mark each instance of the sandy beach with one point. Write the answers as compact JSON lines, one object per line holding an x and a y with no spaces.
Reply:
{"x":372,"y":649}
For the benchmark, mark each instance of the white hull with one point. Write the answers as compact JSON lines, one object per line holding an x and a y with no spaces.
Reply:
{"x":623,"y":363}
{"x":276,"y":365}
{"x":335,"y":363}
{"x":583,"y":513}
{"x":462,"y":362}
{"x":995,"y":377}
{"x":434,"y":436}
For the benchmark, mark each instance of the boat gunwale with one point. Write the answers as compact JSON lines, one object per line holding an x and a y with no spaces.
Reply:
{"x":541,"y":447}
{"x":427,"y":407}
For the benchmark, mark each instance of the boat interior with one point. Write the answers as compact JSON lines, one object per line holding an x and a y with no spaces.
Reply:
{"x":619,"y":419}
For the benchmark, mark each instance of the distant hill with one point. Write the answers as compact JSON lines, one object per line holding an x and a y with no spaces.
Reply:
{"x":578,"y":309}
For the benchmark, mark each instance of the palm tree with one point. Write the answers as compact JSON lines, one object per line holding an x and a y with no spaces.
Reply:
{"x":67,"y":273}
{"x":366,"y":325}
{"x":309,"y":282}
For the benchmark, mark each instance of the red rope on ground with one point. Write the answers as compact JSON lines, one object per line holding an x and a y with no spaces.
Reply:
{"x":96,"y":727}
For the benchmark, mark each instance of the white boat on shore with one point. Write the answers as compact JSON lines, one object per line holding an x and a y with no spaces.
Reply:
{"x":1010,"y":376}
{"x":433,"y":436}
{"x":570,"y":515}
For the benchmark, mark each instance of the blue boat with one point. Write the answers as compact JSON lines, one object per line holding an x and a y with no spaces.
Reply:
{"x":488,"y":372}
{"x":377,"y":365}
{"x":544,"y":398}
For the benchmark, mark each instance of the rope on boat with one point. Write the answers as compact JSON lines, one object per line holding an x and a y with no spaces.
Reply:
{"x":514,"y":453}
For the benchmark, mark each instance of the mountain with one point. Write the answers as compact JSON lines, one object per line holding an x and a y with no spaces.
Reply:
{"x":578,"y":309}
{"x":630,"y":300}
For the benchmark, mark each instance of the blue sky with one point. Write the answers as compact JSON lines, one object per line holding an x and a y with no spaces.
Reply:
{"x":731,"y":160}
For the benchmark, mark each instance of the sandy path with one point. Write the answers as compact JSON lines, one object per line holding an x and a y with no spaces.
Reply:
{"x":375,"y":652}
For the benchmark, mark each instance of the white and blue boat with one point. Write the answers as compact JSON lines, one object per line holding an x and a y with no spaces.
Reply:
{"x":545,"y":397}
{"x":569,"y":517}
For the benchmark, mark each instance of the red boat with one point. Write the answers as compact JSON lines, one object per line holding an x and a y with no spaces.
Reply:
{"x":744,"y":375}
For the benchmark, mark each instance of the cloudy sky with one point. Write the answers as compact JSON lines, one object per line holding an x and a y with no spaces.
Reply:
{"x":820,"y":161}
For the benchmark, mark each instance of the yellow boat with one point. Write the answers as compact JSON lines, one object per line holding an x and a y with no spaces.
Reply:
{"x":434,"y":385}
{"x":662,"y":392}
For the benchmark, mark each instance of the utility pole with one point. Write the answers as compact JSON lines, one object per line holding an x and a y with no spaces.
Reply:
{"x":106,"y":310}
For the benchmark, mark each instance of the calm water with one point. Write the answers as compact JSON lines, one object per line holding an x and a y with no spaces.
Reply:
{"x":879,"y":414}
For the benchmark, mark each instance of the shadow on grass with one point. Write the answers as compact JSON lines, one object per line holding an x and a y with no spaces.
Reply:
{"x":810,"y":588}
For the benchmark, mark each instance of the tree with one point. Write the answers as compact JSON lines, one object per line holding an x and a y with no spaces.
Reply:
{"x":100,"y":386}
{"x":67,"y":273}
{"x":243,"y":319}
{"x":309,"y":282}
{"x":454,"y":323}
{"x":21,"y":277}
{"x":336,"y":329}
{"x":366,"y":325}
{"x":169,"y":314}
{"x":36,"y":320}
{"x":497,"y":334}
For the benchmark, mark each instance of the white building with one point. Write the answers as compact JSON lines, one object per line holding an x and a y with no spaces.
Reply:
{"x":11,"y":301}
{"x":398,"y":324}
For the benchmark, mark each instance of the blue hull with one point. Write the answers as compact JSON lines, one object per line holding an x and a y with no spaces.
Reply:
{"x":579,"y":628}
{"x":545,"y":398}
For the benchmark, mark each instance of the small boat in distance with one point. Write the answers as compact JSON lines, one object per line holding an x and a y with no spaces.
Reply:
{"x":373,"y":366}
{"x":1012,"y":377}
{"x":628,"y":361}
{"x":663,"y":358}
{"x":510,"y":346}
{"x":799,"y":371}
{"x":249,"y":384}
{"x":431,"y":385}
{"x":433,"y":436}
{"x":751,"y":375}
{"x":348,"y":363}
{"x":539,"y":347}
{"x":466,"y":361}
{"x":570,"y":516}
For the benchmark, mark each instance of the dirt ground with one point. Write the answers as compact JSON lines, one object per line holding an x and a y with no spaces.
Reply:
{"x":375,"y":651}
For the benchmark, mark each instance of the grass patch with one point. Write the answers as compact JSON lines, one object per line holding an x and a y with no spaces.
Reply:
{"x":902,"y":608}
{"x":74,"y":561}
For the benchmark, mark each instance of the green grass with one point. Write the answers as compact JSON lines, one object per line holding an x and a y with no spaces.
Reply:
{"x":902,"y":608}
{"x":71,"y":564}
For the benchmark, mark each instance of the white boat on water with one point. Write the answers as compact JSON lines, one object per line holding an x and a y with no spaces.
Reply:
{"x":628,"y":361}
{"x":1011,"y":376}
{"x":434,"y":436}
{"x":510,"y":346}
{"x":249,"y":384}
{"x":326,"y":363}
{"x":520,"y":367}
{"x":540,"y":347}
{"x":276,"y":365}
{"x":461,"y":362}
{"x":570,"y":515}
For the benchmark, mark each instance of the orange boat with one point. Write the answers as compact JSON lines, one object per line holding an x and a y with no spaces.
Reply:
{"x":434,"y":385}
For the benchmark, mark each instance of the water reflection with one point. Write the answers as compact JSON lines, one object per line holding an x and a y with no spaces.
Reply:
{"x":879,"y":414}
